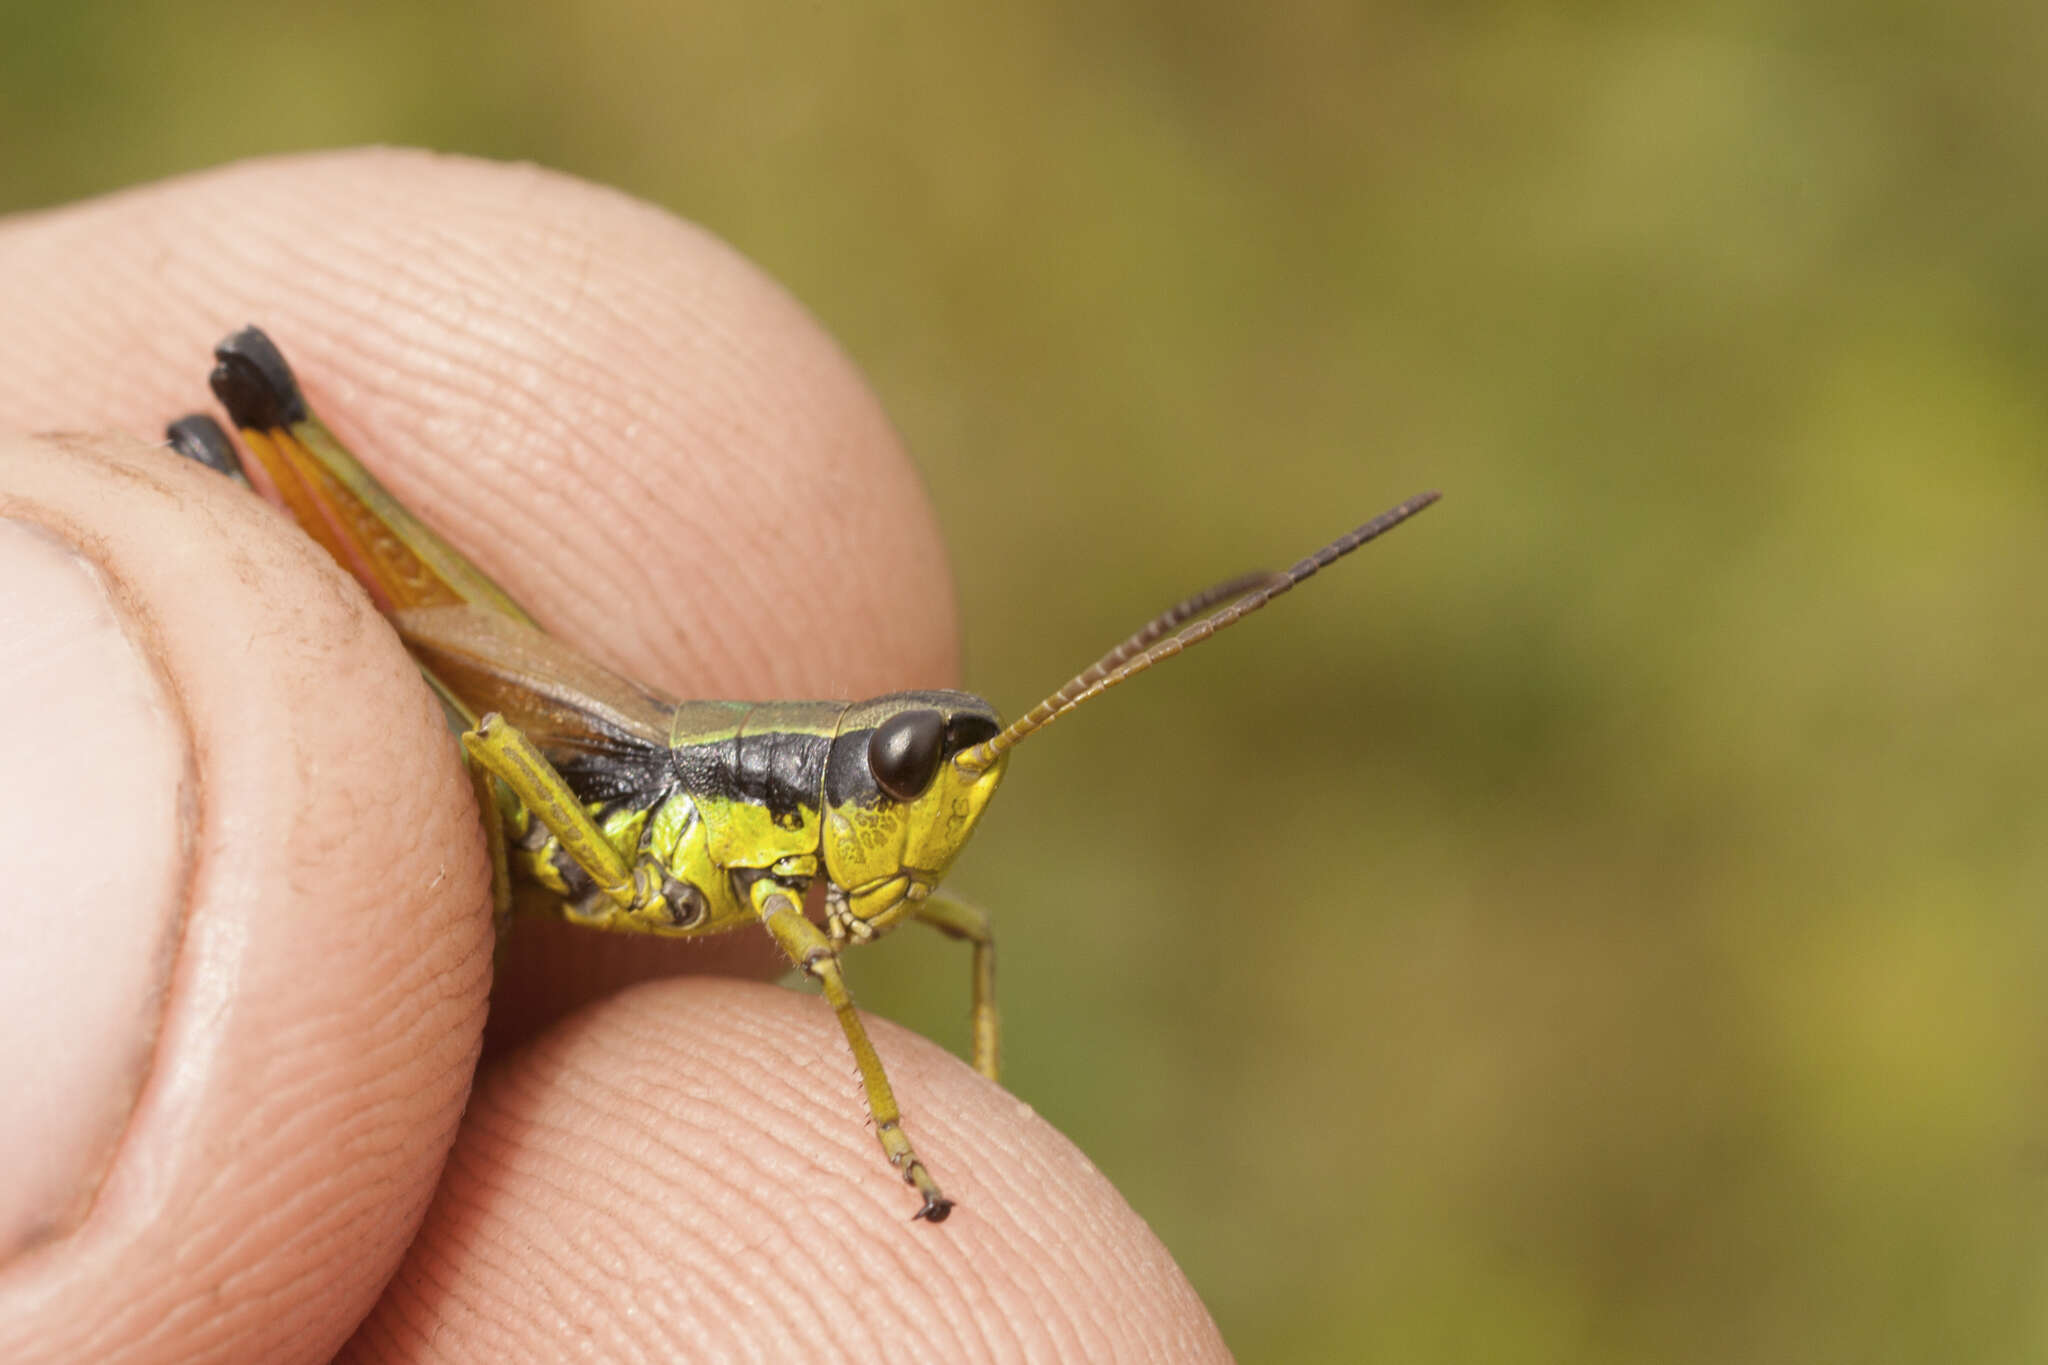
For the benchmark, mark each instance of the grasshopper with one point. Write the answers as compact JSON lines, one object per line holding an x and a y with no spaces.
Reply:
{"x":635,"y":812}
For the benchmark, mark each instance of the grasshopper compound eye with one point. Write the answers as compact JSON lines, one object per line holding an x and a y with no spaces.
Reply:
{"x":904,"y":753}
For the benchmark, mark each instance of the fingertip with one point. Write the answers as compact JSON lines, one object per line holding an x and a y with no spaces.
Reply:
{"x":689,"y":1167}
{"x":316,"y":1019}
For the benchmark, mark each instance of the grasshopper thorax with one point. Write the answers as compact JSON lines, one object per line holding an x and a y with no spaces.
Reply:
{"x":898,"y":806}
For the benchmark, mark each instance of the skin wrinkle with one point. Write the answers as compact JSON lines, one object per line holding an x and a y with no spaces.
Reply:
{"x":758,"y":655}
{"x":505,"y":1256}
{"x":832,"y":1194}
{"x":806,"y":1336}
{"x":784,"y":1095}
{"x":119,"y":273}
{"x":654,"y":1127}
{"x":580,"y":1294}
{"x":891,"y":1317}
{"x":1049,"y":1314}
{"x":712,"y":593}
{"x":290,"y":1210}
{"x":491,"y":521}
{"x":653,"y":1144}
{"x":384,"y":1335}
{"x":495,"y":515}
{"x":581,"y":1297}
{"x":576,"y":1296}
{"x":438,"y":1269}
{"x":228,"y":1255}
{"x":595,"y":585}
{"x":1036,"y":1291}
{"x":593,"y":1092}
{"x":389,"y":1117}
{"x":1008,"y":1307}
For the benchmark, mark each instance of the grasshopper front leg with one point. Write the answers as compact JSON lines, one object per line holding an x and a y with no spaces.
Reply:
{"x":811,"y":951}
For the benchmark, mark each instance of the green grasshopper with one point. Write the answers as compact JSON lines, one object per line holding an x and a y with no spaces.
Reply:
{"x":635,"y":812}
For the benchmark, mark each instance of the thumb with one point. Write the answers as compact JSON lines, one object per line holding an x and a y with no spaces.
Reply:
{"x":246,"y":943}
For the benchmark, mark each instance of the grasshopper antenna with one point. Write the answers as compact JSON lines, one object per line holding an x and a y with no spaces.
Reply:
{"x":1190,"y":622}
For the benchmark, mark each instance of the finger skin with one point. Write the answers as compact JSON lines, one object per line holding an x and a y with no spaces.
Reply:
{"x":678,"y":1173}
{"x":646,"y":441}
{"x":323,"y":1006}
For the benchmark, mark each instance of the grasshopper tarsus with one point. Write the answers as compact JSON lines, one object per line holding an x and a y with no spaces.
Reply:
{"x":934,"y":1210}
{"x":254,"y":383}
{"x":199,"y":439}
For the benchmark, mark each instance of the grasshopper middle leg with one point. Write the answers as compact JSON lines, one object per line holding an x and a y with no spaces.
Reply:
{"x":956,"y":919}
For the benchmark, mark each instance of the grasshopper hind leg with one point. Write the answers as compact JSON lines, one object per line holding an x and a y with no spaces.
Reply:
{"x":486,"y":790}
{"x":255,"y":385}
{"x":199,"y":439}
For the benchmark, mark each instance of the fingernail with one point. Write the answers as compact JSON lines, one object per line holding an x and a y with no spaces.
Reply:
{"x":92,"y":872}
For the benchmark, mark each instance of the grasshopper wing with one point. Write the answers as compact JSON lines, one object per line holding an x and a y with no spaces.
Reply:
{"x":478,"y":649}
{"x":399,"y":561}
{"x":608,"y":737}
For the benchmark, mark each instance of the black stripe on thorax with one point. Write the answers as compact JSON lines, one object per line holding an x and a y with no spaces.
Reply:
{"x":782,"y":770}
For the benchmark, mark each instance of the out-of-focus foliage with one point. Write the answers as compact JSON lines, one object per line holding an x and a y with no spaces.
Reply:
{"x":1605,"y":922}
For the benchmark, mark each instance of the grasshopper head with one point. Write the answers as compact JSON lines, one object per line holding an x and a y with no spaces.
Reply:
{"x":899,"y":806}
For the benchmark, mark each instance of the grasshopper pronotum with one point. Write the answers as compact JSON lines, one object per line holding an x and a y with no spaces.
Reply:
{"x":635,"y":812}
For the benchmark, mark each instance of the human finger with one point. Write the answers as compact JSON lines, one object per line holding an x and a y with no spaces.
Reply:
{"x":247,"y":945}
{"x":678,"y":1173}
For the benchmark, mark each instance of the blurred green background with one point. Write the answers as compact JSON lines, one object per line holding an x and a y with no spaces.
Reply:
{"x":1604,"y":922}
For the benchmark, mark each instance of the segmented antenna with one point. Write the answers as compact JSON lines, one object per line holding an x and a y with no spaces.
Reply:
{"x":1210,"y":611}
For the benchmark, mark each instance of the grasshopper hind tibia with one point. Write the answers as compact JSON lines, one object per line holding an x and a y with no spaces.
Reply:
{"x":254,"y":384}
{"x":199,"y":439}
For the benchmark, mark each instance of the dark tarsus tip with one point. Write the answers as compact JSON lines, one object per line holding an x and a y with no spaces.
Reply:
{"x":254,"y":384}
{"x":935,"y":1209}
{"x":200,"y":439}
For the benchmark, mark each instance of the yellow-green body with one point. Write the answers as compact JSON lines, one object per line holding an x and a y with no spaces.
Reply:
{"x":710,"y":834}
